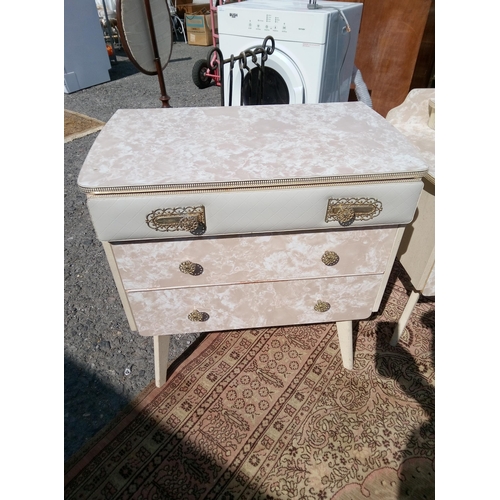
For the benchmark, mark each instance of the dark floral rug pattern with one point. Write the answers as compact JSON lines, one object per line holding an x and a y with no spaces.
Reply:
{"x":271,"y":414}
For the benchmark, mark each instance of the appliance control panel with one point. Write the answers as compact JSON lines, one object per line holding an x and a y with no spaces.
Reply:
{"x":259,"y":21}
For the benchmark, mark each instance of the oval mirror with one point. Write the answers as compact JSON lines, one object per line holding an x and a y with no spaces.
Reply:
{"x":145,"y":28}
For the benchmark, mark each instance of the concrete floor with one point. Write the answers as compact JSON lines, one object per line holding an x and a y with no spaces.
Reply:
{"x":107,"y":365}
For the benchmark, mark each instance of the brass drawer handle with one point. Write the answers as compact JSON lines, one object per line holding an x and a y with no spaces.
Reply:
{"x":191,"y":219}
{"x":188,"y":267}
{"x":347,"y":210}
{"x":330,"y":258}
{"x":321,"y":306}
{"x":197,"y":316}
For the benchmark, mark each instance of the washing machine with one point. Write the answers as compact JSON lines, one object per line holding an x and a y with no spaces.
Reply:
{"x":315,"y":45}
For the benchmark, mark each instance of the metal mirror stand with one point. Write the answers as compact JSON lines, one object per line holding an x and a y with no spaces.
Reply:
{"x":139,"y":24}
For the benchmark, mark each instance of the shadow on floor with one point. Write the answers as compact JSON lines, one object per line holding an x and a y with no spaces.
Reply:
{"x":400,"y":365}
{"x":89,"y":405}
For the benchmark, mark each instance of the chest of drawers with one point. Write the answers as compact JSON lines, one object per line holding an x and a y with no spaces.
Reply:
{"x":286,"y":215}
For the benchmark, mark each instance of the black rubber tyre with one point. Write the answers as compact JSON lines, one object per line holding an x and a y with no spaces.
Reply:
{"x":200,"y":79}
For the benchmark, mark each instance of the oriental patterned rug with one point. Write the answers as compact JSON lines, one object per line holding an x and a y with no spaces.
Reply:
{"x":77,"y":125}
{"x":271,"y":414}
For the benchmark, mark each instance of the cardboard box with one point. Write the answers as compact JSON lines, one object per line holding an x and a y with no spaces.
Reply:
{"x":183,"y":2}
{"x":193,"y":8}
{"x":198,"y":29}
{"x":203,"y":39}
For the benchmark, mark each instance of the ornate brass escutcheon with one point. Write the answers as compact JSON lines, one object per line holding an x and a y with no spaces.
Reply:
{"x":347,"y":210}
{"x":188,"y":267}
{"x":197,"y":316}
{"x":191,"y":219}
{"x":345,"y":214}
{"x":330,"y":258}
{"x":321,"y":306}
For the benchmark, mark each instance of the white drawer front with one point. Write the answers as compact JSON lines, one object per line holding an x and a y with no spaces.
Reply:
{"x":243,"y":259}
{"x":120,"y":218}
{"x":253,"y":305}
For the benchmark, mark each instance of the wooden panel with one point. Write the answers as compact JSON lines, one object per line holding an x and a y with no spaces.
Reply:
{"x":423,"y":76}
{"x":388,"y":46}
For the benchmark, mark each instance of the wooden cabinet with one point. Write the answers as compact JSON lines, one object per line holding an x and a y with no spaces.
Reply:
{"x":395,"y":50}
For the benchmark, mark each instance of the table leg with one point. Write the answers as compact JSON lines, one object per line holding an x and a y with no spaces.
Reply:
{"x":344,"y":331}
{"x":161,"y":344}
{"x":401,"y":325}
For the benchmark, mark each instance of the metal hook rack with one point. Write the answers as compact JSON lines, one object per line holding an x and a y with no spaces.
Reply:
{"x":265,"y":50}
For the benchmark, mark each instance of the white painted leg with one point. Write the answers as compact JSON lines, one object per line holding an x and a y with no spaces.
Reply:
{"x":344,"y":330}
{"x":161,"y":344}
{"x":400,"y":327}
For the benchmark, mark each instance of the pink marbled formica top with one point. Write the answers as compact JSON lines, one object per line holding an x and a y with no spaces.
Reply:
{"x":151,"y":147}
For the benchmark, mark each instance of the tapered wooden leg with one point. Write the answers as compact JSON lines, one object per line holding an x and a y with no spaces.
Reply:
{"x":400,"y":327}
{"x":344,"y":330}
{"x":161,"y":344}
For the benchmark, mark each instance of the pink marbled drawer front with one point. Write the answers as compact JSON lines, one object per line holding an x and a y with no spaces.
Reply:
{"x":253,"y":305}
{"x":244,"y":259}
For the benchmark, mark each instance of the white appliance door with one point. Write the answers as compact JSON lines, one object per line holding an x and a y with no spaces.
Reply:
{"x":283,"y":83}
